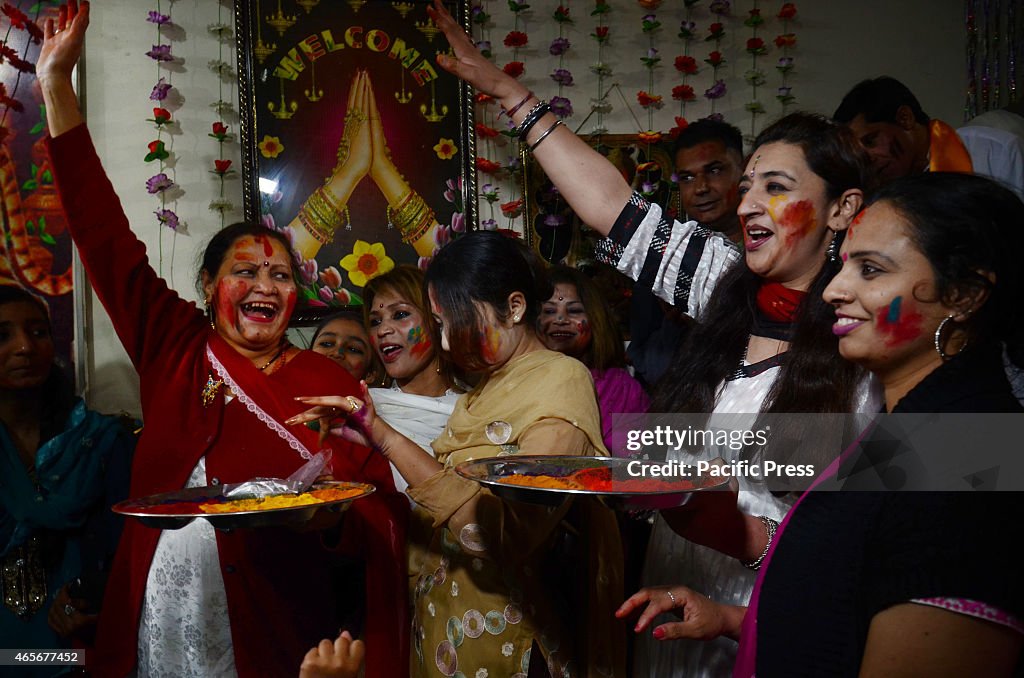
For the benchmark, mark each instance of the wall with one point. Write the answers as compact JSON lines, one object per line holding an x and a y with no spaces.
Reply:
{"x":917,"y":41}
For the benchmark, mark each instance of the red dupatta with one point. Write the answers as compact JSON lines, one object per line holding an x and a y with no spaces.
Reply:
{"x":374,"y":526}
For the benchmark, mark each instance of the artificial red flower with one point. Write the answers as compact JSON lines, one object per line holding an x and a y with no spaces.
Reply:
{"x":681,"y":124}
{"x":485,"y":132}
{"x":649,"y":4}
{"x":647,"y":100}
{"x":715,"y":58}
{"x":788,"y":11}
{"x":715,"y":28}
{"x":220,"y":130}
{"x":161,"y":116}
{"x":221,"y":167}
{"x":755,"y":46}
{"x":786,"y":40}
{"x":649,"y":137}
{"x":509,"y":233}
{"x":512,"y":209}
{"x":514,"y":68}
{"x":683,"y":93}
{"x":686,"y":64}
{"x":487,"y":166}
{"x":20,"y":20}
{"x":157,"y":151}
{"x":516,"y":39}
{"x":561,"y":14}
{"x":601,"y":32}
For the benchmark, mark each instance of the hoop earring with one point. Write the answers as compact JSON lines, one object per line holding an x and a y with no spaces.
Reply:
{"x":939,"y":342}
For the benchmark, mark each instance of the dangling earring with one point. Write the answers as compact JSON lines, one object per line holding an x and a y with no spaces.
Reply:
{"x":832,"y":253}
{"x":939,"y":342}
{"x":209,"y":313}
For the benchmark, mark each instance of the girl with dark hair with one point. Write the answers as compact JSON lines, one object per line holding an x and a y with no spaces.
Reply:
{"x":342,"y":338}
{"x":762,"y":343}
{"x":577,"y":321}
{"x":62,"y":466}
{"x":481,"y":563}
{"x":872,"y":582}
{"x":215,"y":389}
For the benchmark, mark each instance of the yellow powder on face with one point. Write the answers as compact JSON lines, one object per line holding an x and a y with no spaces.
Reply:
{"x":281,"y":501}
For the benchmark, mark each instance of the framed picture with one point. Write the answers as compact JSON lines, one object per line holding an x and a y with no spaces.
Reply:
{"x":36,"y":252}
{"x":354,"y":141}
{"x":556,"y":233}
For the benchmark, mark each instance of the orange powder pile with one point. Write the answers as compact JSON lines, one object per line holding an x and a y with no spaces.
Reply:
{"x":280,"y":501}
{"x":597,"y":480}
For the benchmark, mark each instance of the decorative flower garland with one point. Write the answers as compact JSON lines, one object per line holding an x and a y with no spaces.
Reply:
{"x":600,"y":105}
{"x":716,"y":31}
{"x":687,"y":66}
{"x":224,"y":34}
{"x":18,"y":21}
{"x":755,"y":76}
{"x":162,"y":185}
{"x":649,"y":101}
{"x":786,"y":41}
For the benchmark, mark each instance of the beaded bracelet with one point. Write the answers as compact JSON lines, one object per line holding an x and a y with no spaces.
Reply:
{"x":770,"y":526}
{"x":535,"y":114}
{"x":512,"y":111}
{"x":544,"y":136}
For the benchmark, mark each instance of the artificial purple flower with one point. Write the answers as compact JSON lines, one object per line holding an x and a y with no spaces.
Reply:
{"x":554,"y":220}
{"x":158,"y":183}
{"x":647,"y":188}
{"x":158,"y":18}
{"x":160,"y":90}
{"x":649,"y":18}
{"x":489,"y":225}
{"x":559,"y":46}
{"x":560,"y":106}
{"x":785,"y":63}
{"x":485,"y":47}
{"x":514,"y":163}
{"x":562,"y":76}
{"x":167,"y":218}
{"x":716,"y":91}
{"x":717,"y":117}
{"x":160,"y":53}
{"x":784,"y":91}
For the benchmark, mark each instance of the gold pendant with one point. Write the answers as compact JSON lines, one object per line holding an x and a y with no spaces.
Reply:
{"x":211,"y":389}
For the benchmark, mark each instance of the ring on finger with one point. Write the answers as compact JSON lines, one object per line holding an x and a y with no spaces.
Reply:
{"x":671,"y":597}
{"x":69,"y":609}
{"x":354,"y":402}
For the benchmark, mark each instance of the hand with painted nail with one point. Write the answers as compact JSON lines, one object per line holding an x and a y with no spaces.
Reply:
{"x":702,"y":618}
{"x":347,"y":417}
{"x":341,"y":658}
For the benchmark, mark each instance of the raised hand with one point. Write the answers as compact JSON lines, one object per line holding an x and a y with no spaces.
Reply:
{"x":468,"y":63}
{"x":702,"y":619}
{"x":347,"y":417}
{"x":62,"y":41}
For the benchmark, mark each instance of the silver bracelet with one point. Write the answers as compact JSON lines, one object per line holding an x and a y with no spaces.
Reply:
{"x":544,"y":136}
{"x":770,"y":526}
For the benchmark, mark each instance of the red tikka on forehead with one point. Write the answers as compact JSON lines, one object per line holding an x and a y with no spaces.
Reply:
{"x":268,"y":247}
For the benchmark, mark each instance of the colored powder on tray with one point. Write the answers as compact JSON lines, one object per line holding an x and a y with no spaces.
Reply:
{"x":280,"y":501}
{"x":598,"y":480}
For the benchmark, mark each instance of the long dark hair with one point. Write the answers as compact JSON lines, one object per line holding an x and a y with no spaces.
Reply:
{"x":57,"y":393}
{"x":483,"y":267}
{"x":965,"y":226}
{"x":813,"y":377}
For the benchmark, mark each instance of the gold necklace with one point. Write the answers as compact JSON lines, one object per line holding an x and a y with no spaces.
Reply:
{"x":213,"y":386}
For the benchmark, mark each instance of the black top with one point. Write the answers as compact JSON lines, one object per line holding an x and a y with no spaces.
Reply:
{"x":845,"y":556}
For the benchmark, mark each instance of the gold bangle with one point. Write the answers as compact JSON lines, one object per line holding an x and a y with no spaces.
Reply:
{"x":321,"y":216}
{"x":310,"y":228}
{"x":422,"y":228}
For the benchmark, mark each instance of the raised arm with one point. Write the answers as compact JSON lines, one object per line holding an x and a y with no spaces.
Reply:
{"x":592,"y":186}
{"x":62,"y":47}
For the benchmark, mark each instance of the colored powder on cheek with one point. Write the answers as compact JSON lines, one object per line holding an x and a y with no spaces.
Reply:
{"x":490,"y":342}
{"x":844,"y":256}
{"x":799,"y":219}
{"x":229,"y":294}
{"x":419,"y":342}
{"x":289,"y":303}
{"x":583,"y":334}
{"x":899,"y":325}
